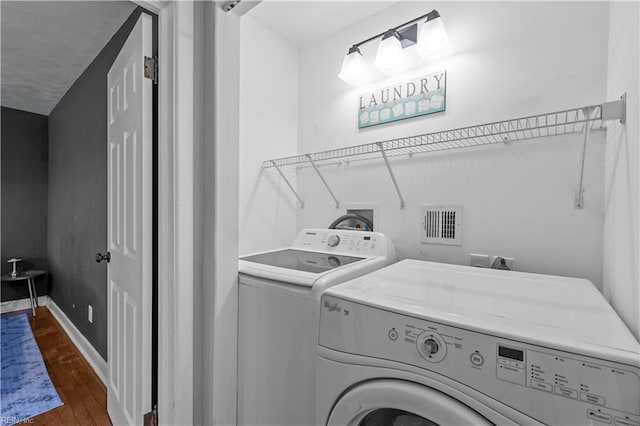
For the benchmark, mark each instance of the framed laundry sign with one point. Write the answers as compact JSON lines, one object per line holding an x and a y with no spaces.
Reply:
{"x":420,"y":96}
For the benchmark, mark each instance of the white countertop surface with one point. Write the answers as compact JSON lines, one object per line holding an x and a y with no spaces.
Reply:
{"x":569,"y":312}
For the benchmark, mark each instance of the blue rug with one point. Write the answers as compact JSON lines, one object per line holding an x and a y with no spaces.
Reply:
{"x":25,"y":387}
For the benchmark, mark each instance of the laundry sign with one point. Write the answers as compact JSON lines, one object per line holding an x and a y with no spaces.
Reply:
{"x":413,"y":98}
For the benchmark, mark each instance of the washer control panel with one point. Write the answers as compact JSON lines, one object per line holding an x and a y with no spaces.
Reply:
{"x":552,"y":386}
{"x":343,"y":241}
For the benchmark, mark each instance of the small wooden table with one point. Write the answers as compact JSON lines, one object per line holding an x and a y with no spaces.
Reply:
{"x":29,"y":277}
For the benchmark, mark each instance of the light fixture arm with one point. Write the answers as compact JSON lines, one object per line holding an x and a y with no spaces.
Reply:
{"x":390,"y":56}
{"x":354,"y":49}
{"x":431,"y":15}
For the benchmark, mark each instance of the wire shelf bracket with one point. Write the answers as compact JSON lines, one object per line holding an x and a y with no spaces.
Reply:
{"x":579,"y":200}
{"x":288,"y":184}
{"x":570,"y":121}
{"x":615,"y":110}
{"x":393,"y":178}
{"x":326,"y":185}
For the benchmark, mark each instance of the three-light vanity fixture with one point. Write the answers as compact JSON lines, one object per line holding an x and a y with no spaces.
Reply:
{"x":390,"y":56}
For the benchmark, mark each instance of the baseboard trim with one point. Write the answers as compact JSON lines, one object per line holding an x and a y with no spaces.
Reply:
{"x":22,"y":304}
{"x":87,"y":350}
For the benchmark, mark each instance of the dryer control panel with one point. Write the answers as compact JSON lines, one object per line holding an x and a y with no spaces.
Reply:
{"x":552,"y":386}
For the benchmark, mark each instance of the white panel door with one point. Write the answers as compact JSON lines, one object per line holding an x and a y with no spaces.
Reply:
{"x":129,"y":229}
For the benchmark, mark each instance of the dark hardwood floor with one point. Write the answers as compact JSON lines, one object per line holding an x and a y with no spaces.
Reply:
{"x":82,"y":392}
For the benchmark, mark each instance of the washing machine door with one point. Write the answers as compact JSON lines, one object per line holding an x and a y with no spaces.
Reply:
{"x":400,"y":403}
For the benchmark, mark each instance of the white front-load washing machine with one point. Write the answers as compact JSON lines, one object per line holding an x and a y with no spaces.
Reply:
{"x":279,"y":293}
{"x":421,"y":343}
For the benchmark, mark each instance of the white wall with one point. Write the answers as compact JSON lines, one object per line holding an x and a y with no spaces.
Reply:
{"x":622,"y":196}
{"x":268,"y":129}
{"x":510,"y":60}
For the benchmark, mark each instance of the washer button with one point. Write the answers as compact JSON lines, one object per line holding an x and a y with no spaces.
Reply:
{"x":536,"y":384}
{"x":619,"y":421}
{"x":476,"y":359}
{"x":393,"y":334}
{"x":599,"y":416}
{"x":592,"y":399}
{"x":569,"y":393}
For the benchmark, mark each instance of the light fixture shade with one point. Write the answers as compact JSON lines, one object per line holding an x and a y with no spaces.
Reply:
{"x":433,"y":39}
{"x":354,"y":69}
{"x":390,"y":55}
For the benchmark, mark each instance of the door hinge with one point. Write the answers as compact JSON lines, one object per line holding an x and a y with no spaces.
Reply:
{"x":230,"y":5}
{"x":151,"y":418}
{"x":151,"y":69}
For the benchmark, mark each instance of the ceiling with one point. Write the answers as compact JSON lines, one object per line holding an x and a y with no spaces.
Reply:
{"x":47,"y":45}
{"x":304,"y":22}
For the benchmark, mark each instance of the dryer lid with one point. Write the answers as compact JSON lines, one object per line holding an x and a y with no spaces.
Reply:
{"x":301,"y":260}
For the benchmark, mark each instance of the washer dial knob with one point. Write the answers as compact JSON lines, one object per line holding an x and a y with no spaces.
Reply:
{"x":333,"y":241}
{"x":430,"y":346}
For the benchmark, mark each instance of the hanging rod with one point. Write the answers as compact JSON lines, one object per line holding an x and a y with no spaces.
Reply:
{"x":564,"y":122}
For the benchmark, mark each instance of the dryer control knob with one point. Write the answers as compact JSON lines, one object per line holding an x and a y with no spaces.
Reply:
{"x":333,"y":241}
{"x":431,"y":346}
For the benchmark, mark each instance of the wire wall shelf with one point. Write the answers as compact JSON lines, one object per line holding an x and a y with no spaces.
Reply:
{"x":569,"y":121}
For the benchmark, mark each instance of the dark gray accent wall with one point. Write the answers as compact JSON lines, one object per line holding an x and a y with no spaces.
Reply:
{"x":24,"y":197}
{"x":77,"y":222}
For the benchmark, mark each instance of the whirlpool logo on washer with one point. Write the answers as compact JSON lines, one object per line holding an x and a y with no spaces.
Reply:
{"x":332,"y":306}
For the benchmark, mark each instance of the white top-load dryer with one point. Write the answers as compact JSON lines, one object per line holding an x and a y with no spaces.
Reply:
{"x":425,"y":343}
{"x":279,"y":293}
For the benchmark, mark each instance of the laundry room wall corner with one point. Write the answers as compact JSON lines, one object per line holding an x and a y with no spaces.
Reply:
{"x":268,"y":129}
{"x":622,"y":168}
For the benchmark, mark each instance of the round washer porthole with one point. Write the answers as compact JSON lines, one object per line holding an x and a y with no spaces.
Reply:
{"x":393,"y":417}
{"x":377,"y":401}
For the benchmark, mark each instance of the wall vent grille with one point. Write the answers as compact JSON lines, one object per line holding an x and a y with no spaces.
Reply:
{"x":442,"y":225}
